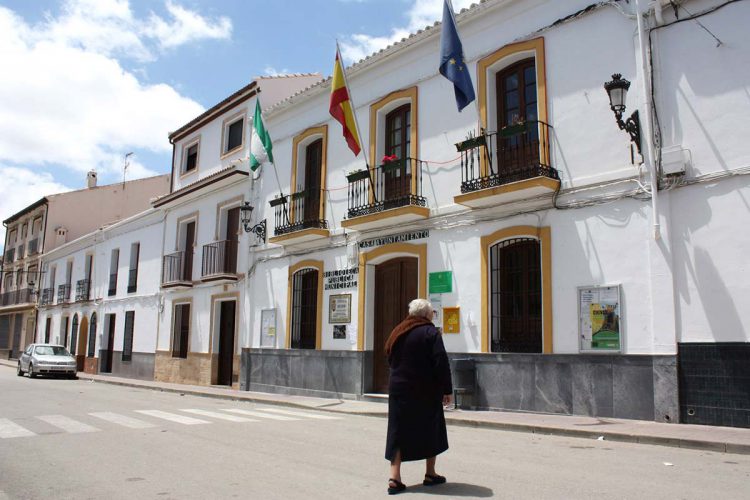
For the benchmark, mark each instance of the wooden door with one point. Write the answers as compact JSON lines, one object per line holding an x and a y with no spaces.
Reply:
{"x":233,"y":226}
{"x":518,"y":131}
{"x":187,"y":270}
{"x":304,"y":309}
{"x":395,"y":286}
{"x":226,"y":341}
{"x":313,"y":165}
{"x":107,"y":353}
{"x":397,"y":174}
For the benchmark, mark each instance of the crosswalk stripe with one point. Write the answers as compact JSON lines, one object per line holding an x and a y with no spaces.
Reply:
{"x":220,"y":416}
{"x":261,"y":415}
{"x":125,"y":421}
{"x":10,"y":429}
{"x":67,"y":424}
{"x":173,"y":417}
{"x":299,"y":414}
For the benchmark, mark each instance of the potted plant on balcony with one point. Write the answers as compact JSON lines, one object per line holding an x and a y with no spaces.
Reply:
{"x":472,"y":141}
{"x":391,"y":162}
{"x":357,"y":175}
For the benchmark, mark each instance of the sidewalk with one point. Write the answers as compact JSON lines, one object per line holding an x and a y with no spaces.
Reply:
{"x":701,"y":437}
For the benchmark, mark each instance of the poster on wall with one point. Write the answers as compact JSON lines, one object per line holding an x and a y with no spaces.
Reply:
{"x":268,"y":328}
{"x":599,"y":318}
{"x":339,"y":331}
{"x":451,"y":320}
{"x":340,"y":308}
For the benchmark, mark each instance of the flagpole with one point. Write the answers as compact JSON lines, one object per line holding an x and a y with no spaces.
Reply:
{"x":273,"y":164}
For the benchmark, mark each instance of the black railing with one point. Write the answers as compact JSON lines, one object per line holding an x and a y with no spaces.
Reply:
{"x":48,"y":295}
{"x":34,"y":246}
{"x":10,"y":255}
{"x":394,"y":184}
{"x":176,"y":269}
{"x":83,"y":290}
{"x":298,"y":211}
{"x":132,"y":280}
{"x":20,"y":296}
{"x":112,"y":289}
{"x":63,"y":293}
{"x":515,"y":153}
{"x":219,"y":257}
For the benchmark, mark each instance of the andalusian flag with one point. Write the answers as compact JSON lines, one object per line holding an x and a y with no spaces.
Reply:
{"x":260,"y":141}
{"x":341,"y":106}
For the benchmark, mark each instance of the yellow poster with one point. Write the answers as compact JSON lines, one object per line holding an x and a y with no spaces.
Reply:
{"x":451,"y":320}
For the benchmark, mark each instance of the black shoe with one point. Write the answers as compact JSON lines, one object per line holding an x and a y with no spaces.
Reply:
{"x":395,"y":487}
{"x":433,"y":480}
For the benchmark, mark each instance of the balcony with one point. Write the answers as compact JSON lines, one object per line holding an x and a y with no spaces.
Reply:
{"x":219,"y":261}
{"x":16,"y":297}
{"x":10,"y":255}
{"x":63,"y":293}
{"x":298,"y":219}
{"x":133,"y":280}
{"x":112,"y":288}
{"x":177,"y":270}
{"x":48,"y":296}
{"x":387,"y":195}
{"x":510,"y":165}
{"x":83,"y":290}
{"x":34,"y":246}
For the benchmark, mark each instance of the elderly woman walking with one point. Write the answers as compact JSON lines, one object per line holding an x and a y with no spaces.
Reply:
{"x":420,"y":384}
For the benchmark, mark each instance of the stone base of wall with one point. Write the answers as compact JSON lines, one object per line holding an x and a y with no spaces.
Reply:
{"x":639,"y":387}
{"x":196,"y":369}
{"x":336,"y":374}
{"x":140,"y":367}
{"x":91,"y":365}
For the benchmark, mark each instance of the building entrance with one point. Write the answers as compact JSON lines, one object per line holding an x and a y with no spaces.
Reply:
{"x":226,"y":341}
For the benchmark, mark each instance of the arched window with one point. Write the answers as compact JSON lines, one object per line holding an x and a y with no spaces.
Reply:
{"x":304,"y":321}
{"x":92,"y":336}
{"x":516,"y":296}
{"x":74,"y":335}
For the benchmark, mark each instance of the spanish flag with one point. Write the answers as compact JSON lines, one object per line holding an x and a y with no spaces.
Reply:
{"x":341,"y":106}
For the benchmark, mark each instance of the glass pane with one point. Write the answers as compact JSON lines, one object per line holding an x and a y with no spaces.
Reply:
{"x":529,"y":75}
{"x":511,"y":82}
{"x":530,"y":94}
{"x":511,"y":99}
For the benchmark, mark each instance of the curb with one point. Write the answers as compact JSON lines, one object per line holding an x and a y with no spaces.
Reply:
{"x":693,"y":444}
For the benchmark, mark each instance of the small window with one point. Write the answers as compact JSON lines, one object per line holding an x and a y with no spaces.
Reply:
{"x":304,"y":309}
{"x":190,"y":162}
{"x":233,"y":135}
{"x":114,"y":264}
{"x":127,"y":342}
{"x":135,"y":250}
{"x":180,"y":330}
{"x":92,"y":336}
{"x":36,"y":226}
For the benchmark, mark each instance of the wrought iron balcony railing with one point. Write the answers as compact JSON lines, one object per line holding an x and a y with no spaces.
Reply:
{"x":177,"y":267}
{"x":515,"y":153}
{"x":219,"y":257}
{"x":48,"y":296}
{"x":63,"y":293}
{"x":16,"y":297}
{"x":83,"y":290}
{"x":133,"y":280}
{"x":298,"y":211}
{"x":394,"y":184}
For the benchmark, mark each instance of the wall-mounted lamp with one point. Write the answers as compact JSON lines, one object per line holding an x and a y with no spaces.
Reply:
{"x":259,"y":229}
{"x":617,"y":89}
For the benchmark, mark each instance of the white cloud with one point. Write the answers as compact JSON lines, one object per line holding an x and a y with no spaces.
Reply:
{"x":20,"y":188}
{"x":271,"y":71}
{"x":186,"y":26}
{"x":421,"y":14}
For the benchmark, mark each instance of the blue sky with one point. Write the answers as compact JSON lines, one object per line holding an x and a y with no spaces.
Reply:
{"x":83,"y":82}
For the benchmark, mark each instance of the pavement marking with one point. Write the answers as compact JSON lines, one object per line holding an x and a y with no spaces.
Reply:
{"x":300,"y":414}
{"x":262,"y":415}
{"x":125,"y":421}
{"x":10,"y":429}
{"x":220,"y":416}
{"x":173,"y":417}
{"x":67,"y":424}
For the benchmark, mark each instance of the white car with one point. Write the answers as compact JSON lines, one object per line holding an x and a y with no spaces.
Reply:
{"x":46,"y":359}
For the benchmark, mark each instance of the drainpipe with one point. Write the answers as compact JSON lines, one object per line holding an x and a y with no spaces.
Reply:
{"x":658,"y":13}
{"x":648,"y":122}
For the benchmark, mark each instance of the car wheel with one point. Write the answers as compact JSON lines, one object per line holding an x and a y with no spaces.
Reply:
{"x":19,"y":372}
{"x":31,"y":371}
{"x":73,"y":376}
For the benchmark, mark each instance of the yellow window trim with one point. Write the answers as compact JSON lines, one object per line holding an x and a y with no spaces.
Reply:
{"x":314,"y":264}
{"x":543,"y":235}
{"x":312,"y":131}
{"x":411,"y":94}
{"x":536,"y":46}
{"x":419,"y":251}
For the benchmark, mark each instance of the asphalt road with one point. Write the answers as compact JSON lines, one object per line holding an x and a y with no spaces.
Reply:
{"x":63,"y":439}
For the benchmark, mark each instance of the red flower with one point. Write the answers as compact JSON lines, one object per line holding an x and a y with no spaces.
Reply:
{"x":388,"y":159}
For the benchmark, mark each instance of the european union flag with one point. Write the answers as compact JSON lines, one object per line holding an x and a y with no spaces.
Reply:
{"x":452,"y":64}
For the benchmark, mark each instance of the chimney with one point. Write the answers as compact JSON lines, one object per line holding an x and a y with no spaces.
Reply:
{"x":61,"y":233}
{"x":91,"y":179}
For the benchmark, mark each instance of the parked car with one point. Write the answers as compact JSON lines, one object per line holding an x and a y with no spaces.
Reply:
{"x":46,"y":359}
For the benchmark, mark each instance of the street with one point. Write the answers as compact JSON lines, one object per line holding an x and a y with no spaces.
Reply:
{"x":64,"y":439}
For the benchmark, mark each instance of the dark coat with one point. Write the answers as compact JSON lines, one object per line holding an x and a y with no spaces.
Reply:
{"x":420,"y":376}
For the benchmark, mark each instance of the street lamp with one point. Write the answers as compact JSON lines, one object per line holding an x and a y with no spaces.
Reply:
{"x":259,"y":229}
{"x":617,"y":89}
